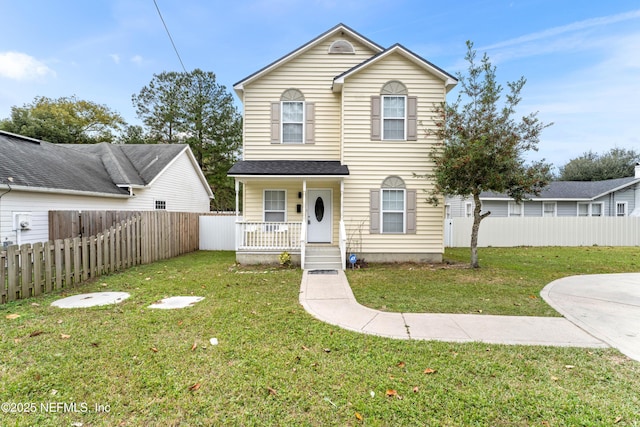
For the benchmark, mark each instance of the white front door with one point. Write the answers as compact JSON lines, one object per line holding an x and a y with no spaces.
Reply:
{"x":319,"y":216}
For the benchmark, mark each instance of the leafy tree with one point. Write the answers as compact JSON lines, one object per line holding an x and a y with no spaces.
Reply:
{"x":64,"y":120}
{"x":134,"y":134}
{"x":482,"y":145}
{"x":617,"y":163}
{"x":192,"y":108}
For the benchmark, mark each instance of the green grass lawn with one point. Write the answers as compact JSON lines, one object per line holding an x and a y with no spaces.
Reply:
{"x":276,"y":365}
{"x":508,"y":283}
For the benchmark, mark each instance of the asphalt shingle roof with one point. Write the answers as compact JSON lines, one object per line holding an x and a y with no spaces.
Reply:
{"x":288,"y":167}
{"x":572,"y":189}
{"x":97,"y":168}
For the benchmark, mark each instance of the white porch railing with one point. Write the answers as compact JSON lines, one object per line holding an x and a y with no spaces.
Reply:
{"x":267,"y":236}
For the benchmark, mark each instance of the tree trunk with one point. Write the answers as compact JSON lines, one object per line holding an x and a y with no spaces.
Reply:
{"x":477,"y":217}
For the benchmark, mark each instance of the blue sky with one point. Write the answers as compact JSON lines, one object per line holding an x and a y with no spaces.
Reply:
{"x":581,"y":59}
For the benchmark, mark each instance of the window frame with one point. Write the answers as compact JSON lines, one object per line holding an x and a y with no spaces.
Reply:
{"x":264,"y":202}
{"x":625,"y":208}
{"x":555,"y":209}
{"x":393,"y":211}
{"x":161,"y":203}
{"x":510,"y":209}
{"x":468,"y":209}
{"x":590,"y":206}
{"x":301,"y":122}
{"x":384,"y":118}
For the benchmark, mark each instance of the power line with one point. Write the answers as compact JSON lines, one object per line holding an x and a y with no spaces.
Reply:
{"x":169,"y":34}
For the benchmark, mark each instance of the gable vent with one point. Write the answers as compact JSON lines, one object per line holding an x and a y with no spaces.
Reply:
{"x":341,"y":46}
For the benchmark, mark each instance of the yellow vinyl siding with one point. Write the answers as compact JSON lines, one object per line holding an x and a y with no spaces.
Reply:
{"x":370,"y":162}
{"x":254,"y":194}
{"x":312,"y":73}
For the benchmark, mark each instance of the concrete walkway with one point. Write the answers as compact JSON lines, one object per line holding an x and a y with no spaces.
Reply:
{"x":328,"y":297}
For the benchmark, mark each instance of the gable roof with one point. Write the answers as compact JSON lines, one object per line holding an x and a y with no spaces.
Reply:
{"x":450,"y":81}
{"x":288,"y":168}
{"x":572,"y":190}
{"x":239,"y":86}
{"x":100,"y":169}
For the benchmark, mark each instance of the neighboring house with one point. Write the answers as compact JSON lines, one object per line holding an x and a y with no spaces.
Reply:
{"x":613,"y":197}
{"x":333,"y":135}
{"x":37,"y":176}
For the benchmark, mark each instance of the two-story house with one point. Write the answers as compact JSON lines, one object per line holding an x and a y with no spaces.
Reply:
{"x":333,"y":135}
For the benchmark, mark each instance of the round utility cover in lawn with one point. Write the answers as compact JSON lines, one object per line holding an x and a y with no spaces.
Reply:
{"x":91,"y":300}
{"x":176,"y":302}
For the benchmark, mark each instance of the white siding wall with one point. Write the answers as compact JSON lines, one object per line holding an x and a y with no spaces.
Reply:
{"x":370,"y":162}
{"x":254,"y":193}
{"x":179,"y":185}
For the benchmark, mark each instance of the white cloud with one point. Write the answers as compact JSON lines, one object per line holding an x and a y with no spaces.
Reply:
{"x":594,"y":106}
{"x":564,"y":29}
{"x":137,"y":59}
{"x":115,"y":57}
{"x":20,"y":66}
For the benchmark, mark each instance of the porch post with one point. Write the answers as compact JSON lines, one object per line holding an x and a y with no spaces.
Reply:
{"x":237,"y":202}
{"x":303,"y":231}
{"x":341,"y":199}
{"x":304,"y":206}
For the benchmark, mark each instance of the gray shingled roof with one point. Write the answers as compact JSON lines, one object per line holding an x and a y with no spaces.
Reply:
{"x":564,"y":190}
{"x":288,"y":167}
{"x":97,"y":168}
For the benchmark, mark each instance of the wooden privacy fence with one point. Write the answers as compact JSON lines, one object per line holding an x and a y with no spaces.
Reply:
{"x":30,"y":270}
{"x":70,"y":223}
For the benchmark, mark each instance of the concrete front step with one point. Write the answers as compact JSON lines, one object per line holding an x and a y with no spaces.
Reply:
{"x":323,"y":258}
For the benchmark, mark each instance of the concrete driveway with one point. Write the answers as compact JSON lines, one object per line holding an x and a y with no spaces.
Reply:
{"x":605,"y":305}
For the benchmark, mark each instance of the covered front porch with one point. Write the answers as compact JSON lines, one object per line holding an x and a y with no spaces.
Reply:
{"x":293,"y":207}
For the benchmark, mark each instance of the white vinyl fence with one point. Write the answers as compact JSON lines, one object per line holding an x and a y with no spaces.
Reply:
{"x":545,"y":231}
{"x":218,"y":233}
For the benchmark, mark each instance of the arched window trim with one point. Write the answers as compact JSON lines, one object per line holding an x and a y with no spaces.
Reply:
{"x":394,"y":87}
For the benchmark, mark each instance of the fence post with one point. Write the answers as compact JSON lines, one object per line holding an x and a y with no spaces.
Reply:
{"x":3,"y":277}
{"x":37,"y":268}
{"x":48,"y":266}
{"x":12,"y":273}
{"x":68,"y":249}
{"x":59,"y":261}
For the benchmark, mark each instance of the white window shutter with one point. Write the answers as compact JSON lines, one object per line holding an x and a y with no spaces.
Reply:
{"x":375,"y":119}
{"x":310,"y":110}
{"x":275,"y":123}
{"x":412,"y":118}
{"x":374,"y":212}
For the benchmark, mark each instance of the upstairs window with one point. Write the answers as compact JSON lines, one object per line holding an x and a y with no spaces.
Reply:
{"x":292,"y":122}
{"x":393,"y":117}
{"x":621,"y":208}
{"x":292,"y":119}
{"x":161,"y":204}
{"x":394,"y":114}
